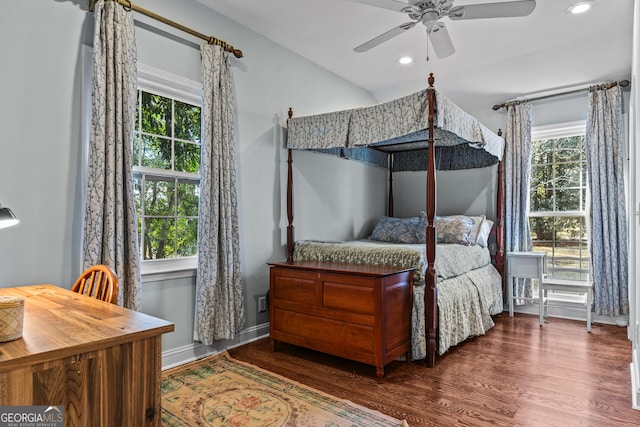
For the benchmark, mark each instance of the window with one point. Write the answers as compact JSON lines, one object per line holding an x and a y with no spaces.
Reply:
{"x":166,"y":171}
{"x":558,"y":200}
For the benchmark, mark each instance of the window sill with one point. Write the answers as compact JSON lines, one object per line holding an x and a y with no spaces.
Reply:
{"x":166,"y":269}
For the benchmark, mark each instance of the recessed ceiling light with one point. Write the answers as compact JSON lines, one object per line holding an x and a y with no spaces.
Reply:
{"x":580,"y":7}
{"x":405,"y":60}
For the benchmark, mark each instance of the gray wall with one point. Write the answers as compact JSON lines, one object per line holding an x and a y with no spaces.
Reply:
{"x":42,"y":167}
{"x":470,"y":192}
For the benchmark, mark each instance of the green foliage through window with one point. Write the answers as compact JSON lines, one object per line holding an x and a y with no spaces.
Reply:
{"x":166,"y":173}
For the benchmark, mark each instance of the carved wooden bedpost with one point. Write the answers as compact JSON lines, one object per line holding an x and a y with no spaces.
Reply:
{"x":500,"y":218}
{"x":390,"y":201}
{"x":290,"y":201}
{"x":430,"y":291}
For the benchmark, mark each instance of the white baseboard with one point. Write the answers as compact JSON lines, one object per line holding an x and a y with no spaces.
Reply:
{"x":635,"y":381}
{"x":196,"y":350}
{"x":563,"y":312}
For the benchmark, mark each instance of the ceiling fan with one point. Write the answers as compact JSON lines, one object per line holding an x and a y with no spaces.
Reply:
{"x":429,"y":12}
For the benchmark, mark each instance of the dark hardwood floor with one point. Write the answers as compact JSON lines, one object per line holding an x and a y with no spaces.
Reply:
{"x":518,"y":374}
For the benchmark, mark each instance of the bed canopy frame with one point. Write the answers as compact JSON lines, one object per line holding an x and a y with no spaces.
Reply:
{"x":413,"y":142}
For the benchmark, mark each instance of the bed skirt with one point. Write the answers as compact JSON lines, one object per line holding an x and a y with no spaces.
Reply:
{"x":465,"y":305}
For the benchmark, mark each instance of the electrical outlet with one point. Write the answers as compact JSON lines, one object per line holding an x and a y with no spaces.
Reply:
{"x":262,"y":304}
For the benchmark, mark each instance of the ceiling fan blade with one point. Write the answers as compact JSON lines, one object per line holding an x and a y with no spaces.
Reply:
{"x":386,"y":4}
{"x":440,"y":40}
{"x":493,"y":10}
{"x":384,"y":37}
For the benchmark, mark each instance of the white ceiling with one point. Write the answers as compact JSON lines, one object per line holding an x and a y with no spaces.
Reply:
{"x":495,"y":60}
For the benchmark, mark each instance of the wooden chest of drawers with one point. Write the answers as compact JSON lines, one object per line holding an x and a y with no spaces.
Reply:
{"x":359,"y":312}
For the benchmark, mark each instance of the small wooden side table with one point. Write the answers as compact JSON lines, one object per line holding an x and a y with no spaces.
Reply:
{"x":524,"y":265}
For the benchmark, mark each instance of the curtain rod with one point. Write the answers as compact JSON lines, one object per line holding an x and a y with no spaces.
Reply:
{"x":209,"y":39}
{"x":622,"y":83}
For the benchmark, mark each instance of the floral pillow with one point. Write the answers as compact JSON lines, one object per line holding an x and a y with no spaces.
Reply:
{"x":460,"y":229}
{"x":397,"y":230}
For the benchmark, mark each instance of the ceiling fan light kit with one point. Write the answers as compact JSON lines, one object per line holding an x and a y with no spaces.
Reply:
{"x":430,"y":12}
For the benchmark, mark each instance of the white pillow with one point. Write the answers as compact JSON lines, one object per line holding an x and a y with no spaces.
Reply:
{"x":483,"y":233}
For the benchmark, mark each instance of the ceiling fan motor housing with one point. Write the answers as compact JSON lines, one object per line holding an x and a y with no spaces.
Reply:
{"x":430,"y":17}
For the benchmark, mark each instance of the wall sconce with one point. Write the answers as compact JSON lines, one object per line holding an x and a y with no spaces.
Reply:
{"x":7,"y":218}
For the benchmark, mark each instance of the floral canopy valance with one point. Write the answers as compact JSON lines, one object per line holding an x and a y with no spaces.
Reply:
{"x":400,"y":127}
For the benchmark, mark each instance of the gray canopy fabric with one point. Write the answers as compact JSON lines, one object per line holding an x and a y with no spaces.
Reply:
{"x":399,"y":127}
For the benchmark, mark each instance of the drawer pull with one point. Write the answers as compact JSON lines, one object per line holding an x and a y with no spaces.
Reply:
{"x":150,"y":413}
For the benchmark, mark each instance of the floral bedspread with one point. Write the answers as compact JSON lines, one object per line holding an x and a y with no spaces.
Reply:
{"x":465,"y":306}
{"x":451,"y":260}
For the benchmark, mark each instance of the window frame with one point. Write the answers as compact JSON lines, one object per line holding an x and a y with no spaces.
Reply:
{"x":181,"y":89}
{"x":562,"y":130}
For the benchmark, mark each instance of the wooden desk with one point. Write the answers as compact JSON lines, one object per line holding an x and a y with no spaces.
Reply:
{"x":100,"y":361}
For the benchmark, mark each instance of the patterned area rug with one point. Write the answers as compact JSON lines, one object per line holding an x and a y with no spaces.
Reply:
{"x":221,"y":391}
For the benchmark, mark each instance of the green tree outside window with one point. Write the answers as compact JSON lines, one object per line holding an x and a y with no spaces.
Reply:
{"x":557,"y":211}
{"x":166,"y":174}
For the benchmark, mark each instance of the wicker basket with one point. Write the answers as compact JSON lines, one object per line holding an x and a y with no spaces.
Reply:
{"x":11,"y":318}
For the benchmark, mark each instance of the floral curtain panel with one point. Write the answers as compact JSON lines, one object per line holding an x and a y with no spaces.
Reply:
{"x":110,"y":226}
{"x":608,"y":245}
{"x":219,"y":294}
{"x":517,"y":180}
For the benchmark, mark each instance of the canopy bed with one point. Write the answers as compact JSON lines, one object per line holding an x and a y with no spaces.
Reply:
{"x":457,"y":284}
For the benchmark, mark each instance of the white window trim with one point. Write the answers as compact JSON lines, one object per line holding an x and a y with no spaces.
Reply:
{"x":554,"y":213}
{"x":171,"y":85}
{"x":165,"y":269}
{"x":560,"y":130}
{"x":166,"y":173}
{"x":189,"y":91}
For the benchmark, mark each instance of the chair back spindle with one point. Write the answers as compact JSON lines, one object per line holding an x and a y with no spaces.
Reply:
{"x":98,"y":281}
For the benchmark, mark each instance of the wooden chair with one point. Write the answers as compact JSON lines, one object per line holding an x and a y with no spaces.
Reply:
{"x":99,"y":282}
